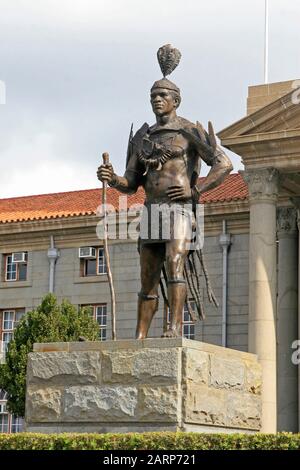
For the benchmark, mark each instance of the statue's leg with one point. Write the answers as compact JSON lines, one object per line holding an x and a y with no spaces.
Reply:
{"x":151,"y":261}
{"x":176,"y":252}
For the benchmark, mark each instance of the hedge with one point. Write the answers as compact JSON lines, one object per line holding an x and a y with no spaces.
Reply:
{"x":150,"y":441}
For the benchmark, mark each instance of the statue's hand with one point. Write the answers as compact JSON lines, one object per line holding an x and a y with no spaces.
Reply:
{"x":179,"y":192}
{"x":106,"y":173}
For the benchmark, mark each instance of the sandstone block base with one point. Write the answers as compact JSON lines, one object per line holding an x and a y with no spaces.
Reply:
{"x":138,"y":386}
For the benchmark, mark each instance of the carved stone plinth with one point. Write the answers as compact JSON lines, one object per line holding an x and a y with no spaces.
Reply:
{"x":155,"y":384}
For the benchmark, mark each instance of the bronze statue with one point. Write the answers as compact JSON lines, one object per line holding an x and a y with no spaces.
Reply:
{"x":165,"y":159}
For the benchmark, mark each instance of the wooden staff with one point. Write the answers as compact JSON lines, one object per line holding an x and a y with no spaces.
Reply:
{"x":105,"y":157}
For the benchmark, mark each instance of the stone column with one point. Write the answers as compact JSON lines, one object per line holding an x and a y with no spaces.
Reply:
{"x":287,"y":319}
{"x":296,"y":202}
{"x":263,"y":192}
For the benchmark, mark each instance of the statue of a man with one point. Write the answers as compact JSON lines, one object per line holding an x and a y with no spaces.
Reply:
{"x":165,"y":159}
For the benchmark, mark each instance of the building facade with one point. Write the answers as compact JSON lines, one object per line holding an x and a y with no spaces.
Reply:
{"x":52,"y":243}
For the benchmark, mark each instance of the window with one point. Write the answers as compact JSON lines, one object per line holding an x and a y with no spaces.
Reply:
{"x":15,"y":271}
{"x":95,"y":266}
{"x":8,"y":423}
{"x":101,"y":317}
{"x":6,"y":338}
{"x":9,"y":319}
{"x":4,"y":422}
{"x":99,"y":313}
{"x":101,"y":269}
{"x":16,"y":424}
{"x":18,"y":315}
{"x":187,"y":325}
{"x":4,"y":416}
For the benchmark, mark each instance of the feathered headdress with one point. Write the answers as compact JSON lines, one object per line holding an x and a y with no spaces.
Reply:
{"x":168,"y":58}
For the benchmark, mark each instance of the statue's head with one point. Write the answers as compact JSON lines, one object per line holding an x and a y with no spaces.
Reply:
{"x":165,"y":95}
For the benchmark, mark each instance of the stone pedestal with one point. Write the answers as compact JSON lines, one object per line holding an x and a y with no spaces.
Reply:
{"x":137,"y":386}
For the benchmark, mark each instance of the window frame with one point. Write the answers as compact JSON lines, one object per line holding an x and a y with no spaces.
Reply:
{"x":8,"y":331}
{"x":102,"y":328}
{"x":13,"y":423}
{"x":101,"y":269}
{"x":8,"y":256}
{"x":103,"y":264}
{"x":16,"y":424}
{"x":10,"y":423}
{"x":4,"y":426}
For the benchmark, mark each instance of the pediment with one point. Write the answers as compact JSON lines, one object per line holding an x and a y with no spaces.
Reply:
{"x":280,"y":115}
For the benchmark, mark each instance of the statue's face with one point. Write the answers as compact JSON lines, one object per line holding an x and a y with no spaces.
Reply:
{"x":162,"y":101}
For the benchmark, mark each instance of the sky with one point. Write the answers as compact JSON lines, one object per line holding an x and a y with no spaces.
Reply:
{"x":77,"y":73}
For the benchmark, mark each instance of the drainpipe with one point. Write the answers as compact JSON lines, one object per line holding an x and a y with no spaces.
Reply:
{"x":225,"y":242}
{"x":53,"y":255}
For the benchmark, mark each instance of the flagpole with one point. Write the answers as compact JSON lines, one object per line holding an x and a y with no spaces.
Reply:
{"x":266,"y":54}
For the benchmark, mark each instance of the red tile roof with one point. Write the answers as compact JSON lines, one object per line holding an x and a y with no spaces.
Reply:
{"x":232,"y":189}
{"x":85,"y":202}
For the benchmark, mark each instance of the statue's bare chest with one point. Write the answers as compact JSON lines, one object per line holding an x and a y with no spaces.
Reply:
{"x":160,"y":147}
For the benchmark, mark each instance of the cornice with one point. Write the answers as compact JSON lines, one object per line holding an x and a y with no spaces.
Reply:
{"x":248,"y":124}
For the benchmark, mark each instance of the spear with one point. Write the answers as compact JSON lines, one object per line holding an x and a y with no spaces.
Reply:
{"x":105,"y":157}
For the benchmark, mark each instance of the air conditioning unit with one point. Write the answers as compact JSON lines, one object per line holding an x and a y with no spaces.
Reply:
{"x":87,"y":252}
{"x":20,"y":257}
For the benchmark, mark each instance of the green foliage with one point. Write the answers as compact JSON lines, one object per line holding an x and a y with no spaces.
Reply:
{"x":150,"y":441}
{"x":48,"y":323}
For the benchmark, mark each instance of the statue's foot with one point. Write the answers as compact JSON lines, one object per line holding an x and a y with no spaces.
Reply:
{"x":140,"y":336}
{"x":170,"y":334}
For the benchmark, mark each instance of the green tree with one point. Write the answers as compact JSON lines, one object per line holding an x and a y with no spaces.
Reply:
{"x":48,"y":323}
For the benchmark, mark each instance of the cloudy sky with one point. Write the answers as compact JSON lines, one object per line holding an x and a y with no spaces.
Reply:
{"x":78,"y":72}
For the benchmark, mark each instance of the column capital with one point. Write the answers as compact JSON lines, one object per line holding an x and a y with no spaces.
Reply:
{"x":263,"y":184}
{"x":286,"y":221}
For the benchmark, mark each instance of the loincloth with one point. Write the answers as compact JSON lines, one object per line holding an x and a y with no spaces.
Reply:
{"x":165,"y":221}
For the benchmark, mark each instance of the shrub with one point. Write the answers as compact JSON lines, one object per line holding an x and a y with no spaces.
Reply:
{"x":150,"y":441}
{"x":49,"y":322}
